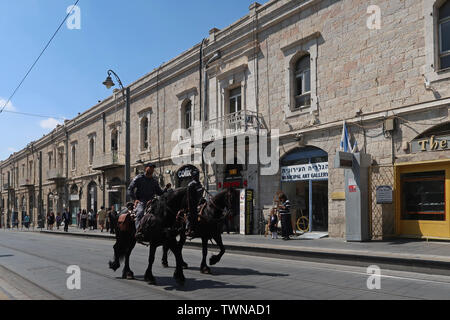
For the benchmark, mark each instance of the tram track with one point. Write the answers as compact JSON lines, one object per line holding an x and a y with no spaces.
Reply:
{"x":129,"y":283}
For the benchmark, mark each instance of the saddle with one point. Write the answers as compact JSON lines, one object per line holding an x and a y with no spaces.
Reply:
{"x":125,"y":222}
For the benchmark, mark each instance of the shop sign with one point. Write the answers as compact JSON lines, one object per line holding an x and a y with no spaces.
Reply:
{"x":384,"y":195}
{"x":74,"y":197}
{"x":185,"y":173}
{"x":313,"y":171}
{"x":430,"y":144}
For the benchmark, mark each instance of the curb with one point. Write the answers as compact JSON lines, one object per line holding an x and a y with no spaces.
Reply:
{"x":331,"y":256}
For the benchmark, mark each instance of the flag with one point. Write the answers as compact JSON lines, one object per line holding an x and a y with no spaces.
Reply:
{"x":346,"y":145}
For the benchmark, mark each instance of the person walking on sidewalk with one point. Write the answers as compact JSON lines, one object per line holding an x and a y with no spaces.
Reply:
{"x":273,"y":224}
{"x":101,"y":218}
{"x":83,"y":219}
{"x":58,"y":220}
{"x":112,"y":216}
{"x":66,"y":220}
{"x":284,"y":209}
{"x":79,"y":219}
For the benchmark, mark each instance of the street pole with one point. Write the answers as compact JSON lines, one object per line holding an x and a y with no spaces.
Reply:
{"x":126,"y":94}
{"x":127,"y":143}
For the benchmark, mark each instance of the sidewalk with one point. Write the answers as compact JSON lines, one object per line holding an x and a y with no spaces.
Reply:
{"x":398,"y":254}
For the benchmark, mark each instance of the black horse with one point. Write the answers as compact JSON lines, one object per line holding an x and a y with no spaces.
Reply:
{"x":161,"y":225}
{"x":210,"y":227}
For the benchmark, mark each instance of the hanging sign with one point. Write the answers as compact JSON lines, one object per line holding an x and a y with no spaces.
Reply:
{"x":313,"y":171}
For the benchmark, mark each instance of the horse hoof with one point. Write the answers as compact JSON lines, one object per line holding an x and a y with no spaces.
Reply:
{"x":165,"y":264}
{"x":206,"y":271}
{"x":130,"y":276}
{"x":213,"y":261}
{"x":114,"y":266}
{"x":151,"y":281}
{"x":185,"y":265}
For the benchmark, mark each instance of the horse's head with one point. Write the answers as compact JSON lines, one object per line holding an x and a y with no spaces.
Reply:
{"x":223,"y":201}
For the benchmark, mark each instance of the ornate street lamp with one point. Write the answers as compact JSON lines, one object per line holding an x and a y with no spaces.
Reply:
{"x":109,"y":83}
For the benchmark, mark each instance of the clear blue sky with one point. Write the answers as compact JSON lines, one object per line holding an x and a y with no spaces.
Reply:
{"x":131,"y":37}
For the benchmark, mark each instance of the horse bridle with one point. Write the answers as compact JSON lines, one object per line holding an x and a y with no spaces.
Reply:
{"x":228,"y":204}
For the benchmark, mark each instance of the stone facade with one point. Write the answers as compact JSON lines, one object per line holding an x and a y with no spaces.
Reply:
{"x":357,"y":74}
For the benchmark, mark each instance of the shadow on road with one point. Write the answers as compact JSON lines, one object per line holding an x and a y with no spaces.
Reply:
{"x":6,"y":256}
{"x":244,"y":272}
{"x":193,"y":284}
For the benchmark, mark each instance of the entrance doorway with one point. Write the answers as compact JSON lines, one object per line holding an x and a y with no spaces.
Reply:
{"x":304,"y":180}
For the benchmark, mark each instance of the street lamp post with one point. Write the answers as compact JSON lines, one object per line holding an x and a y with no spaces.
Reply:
{"x":126,"y":94}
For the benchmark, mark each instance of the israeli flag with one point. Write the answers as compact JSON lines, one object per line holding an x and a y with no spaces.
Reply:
{"x":346,"y":145}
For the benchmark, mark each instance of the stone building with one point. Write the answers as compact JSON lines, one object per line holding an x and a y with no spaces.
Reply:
{"x":296,"y":70}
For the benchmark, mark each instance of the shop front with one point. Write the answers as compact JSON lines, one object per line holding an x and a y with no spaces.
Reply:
{"x":74,"y":203}
{"x":304,"y":180}
{"x":423,"y":187}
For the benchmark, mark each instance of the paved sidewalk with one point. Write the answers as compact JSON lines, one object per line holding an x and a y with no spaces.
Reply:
{"x":400,"y":254}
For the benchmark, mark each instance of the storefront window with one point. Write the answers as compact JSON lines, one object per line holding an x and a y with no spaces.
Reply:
{"x":423,"y":196}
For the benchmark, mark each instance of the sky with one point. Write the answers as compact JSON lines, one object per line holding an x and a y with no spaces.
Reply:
{"x":130,"y":37}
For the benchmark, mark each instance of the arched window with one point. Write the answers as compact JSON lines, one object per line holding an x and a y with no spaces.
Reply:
{"x":144,"y":133}
{"x":187,"y":112}
{"x":444,"y":35}
{"x":74,"y":158}
{"x":302,"y":78}
{"x":91,"y":150}
{"x":115,"y":140}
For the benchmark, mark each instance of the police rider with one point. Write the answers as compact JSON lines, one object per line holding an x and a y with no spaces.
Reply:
{"x":143,"y":189}
{"x":195,"y":194}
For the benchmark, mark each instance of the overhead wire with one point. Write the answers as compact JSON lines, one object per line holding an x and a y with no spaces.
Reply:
{"x":38,"y":58}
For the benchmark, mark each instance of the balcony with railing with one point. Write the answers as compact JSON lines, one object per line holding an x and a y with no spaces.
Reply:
{"x":234,"y":124}
{"x":25,"y":182}
{"x":56,"y":174}
{"x":108,"y":161}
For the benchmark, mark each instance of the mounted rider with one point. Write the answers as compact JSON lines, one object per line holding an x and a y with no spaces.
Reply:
{"x":143,"y":189}
{"x":195,"y":195}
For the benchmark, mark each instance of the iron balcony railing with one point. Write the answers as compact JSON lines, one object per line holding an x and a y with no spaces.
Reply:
{"x":241,"y":122}
{"x":56,"y":174}
{"x":110,"y":160}
{"x":25,"y":182}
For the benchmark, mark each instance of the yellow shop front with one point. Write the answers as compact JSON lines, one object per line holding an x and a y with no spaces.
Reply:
{"x":423,"y":199}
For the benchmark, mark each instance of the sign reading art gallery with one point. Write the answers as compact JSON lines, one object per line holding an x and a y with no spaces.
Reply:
{"x":313,"y":171}
{"x":432,"y":143}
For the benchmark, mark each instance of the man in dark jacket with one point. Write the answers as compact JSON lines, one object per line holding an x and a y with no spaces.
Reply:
{"x":143,"y":189}
{"x":195,"y":194}
{"x":66,"y":219}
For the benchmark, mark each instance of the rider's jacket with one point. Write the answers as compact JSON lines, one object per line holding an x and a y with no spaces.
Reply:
{"x":144,"y":189}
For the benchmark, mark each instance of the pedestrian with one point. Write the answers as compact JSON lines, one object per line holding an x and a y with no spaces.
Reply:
{"x":26,"y":221}
{"x":58,"y":220}
{"x":273,"y":223}
{"x":101,"y":218}
{"x":83,"y":219}
{"x":112,"y":220}
{"x":66,"y":219}
{"x":285,"y":213}
{"x":94,"y":220}
{"x":79,"y":219}
{"x":90,"y":224}
{"x":50,"y":221}
{"x":107,"y":222}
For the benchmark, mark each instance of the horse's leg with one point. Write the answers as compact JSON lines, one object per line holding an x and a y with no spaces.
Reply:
{"x":204,"y":267}
{"x":114,"y":265}
{"x":181,"y":245}
{"x":151,"y":258}
{"x":215,"y":259}
{"x":164,"y":260}
{"x":176,"y":249}
{"x":127,"y":273}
